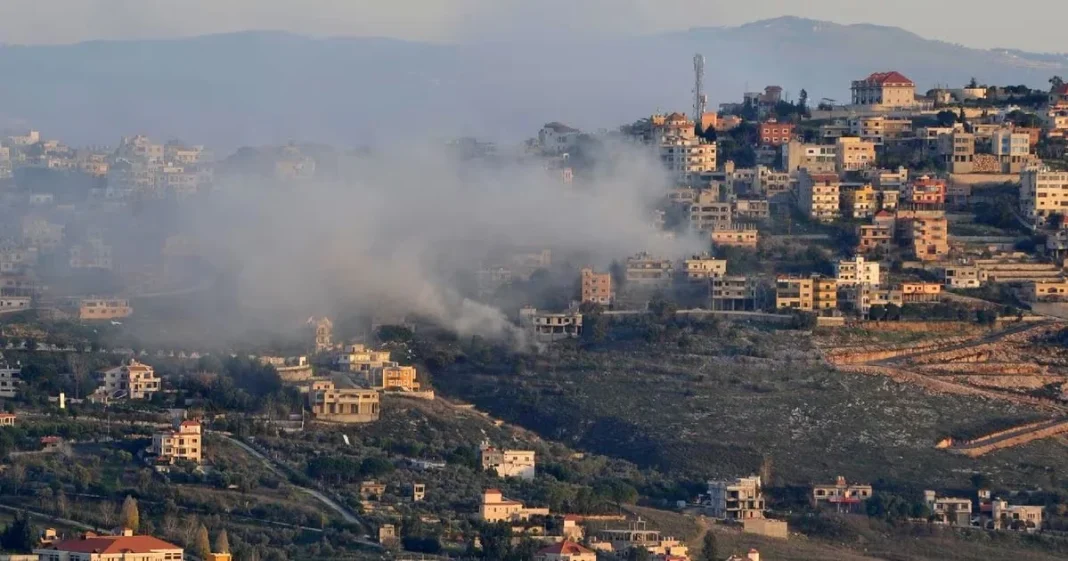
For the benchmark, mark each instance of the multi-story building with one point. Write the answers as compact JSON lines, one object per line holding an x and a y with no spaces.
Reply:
{"x":100,"y":308}
{"x":853,"y":154}
{"x":733,"y":293}
{"x":1043,"y":193}
{"x":359,"y":358}
{"x":558,"y":138}
{"x":1013,"y":149}
{"x":957,"y":150}
{"x":924,"y":232}
{"x":566,"y":550}
{"x":879,"y":129}
{"x":9,"y":381}
{"x":644,"y":270}
{"x":949,"y":510}
{"x":862,"y":297}
{"x":7,"y":419}
{"x":394,"y":377}
{"x":681,"y":151}
{"x":818,"y":195}
{"x":737,"y":499}
{"x":774,"y":133}
{"x":324,"y":333}
{"x":842,"y":496}
{"x":751,"y":208}
{"x":596,"y":287}
{"x":549,"y":326}
{"x":707,"y":213}
{"x":851,"y":272}
{"x":736,"y":236}
{"x":91,"y":255}
{"x":122,"y":547}
{"x":814,"y":293}
{"x":964,"y":276}
{"x":496,"y":508}
{"x":507,"y":463}
{"x":343,"y":405}
{"x":816,"y":158}
{"x":1017,"y":517}
{"x":874,"y":237}
{"x":925,"y":191}
{"x":132,"y":380}
{"x":913,"y":292}
{"x":1045,"y":290}
{"x":700,"y":268}
{"x":181,"y":443}
{"x":859,"y":202}
{"x":885,"y":91}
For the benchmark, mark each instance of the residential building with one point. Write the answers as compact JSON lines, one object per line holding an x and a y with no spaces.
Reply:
{"x":566,"y":550}
{"x":123,"y":547}
{"x":862,"y":297}
{"x":793,"y":293}
{"x":359,"y":358}
{"x":548,"y":326}
{"x":371,"y":490}
{"x":1013,"y":149}
{"x":925,"y":191}
{"x":7,"y":419}
{"x":181,"y":443}
{"x":874,"y":237}
{"x":818,"y":195}
{"x":638,"y":536}
{"x":496,"y":508}
{"x":949,"y":510}
{"x":816,"y":158}
{"x":733,"y":293}
{"x":324,"y":333}
{"x":853,"y":154}
{"x":1045,"y":290}
{"x":707,"y":213}
{"x":842,"y":496}
{"x":774,"y":133}
{"x":681,"y":151}
{"x":1043,"y":193}
{"x":918,"y":292}
{"x":507,"y":463}
{"x":851,"y":272}
{"x":859,"y":202}
{"x":736,"y":499}
{"x":736,"y":236}
{"x":924,"y":232}
{"x":1014,"y":517}
{"x":131,"y":380}
{"x":394,"y":377}
{"x":957,"y":150}
{"x":596,"y":287}
{"x":15,"y":303}
{"x":701,"y":268}
{"x":91,"y":255}
{"x":884,"y":91}
{"x":558,"y":138}
{"x":964,"y":276}
{"x":644,"y":270}
{"x":751,"y":208}
{"x":100,"y":308}
{"x":343,"y":405}
{"x":878,"y":129}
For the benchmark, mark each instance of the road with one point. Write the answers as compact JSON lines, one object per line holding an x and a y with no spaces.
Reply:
{"x":50,"y":518}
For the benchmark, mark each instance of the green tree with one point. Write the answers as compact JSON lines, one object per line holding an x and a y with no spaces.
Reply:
{"x":802,"y":101}
{"x":709,"y":548}
{"x":202,"y":546}
{"x":222,"y":542}
{"x":946,"y":118}
{"x":638,"y":554}
{"x":1056,"y":82}
{"x":130,"y":517}
{"x":19,"y":535}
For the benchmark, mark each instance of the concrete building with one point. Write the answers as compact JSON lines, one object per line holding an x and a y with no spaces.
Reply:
{"x":132,"y":380}
{"x":851,"y":272}
{"x":853,"y":154}
{"x":957,"y":150}
{"x":816,"y":158}
{"x":100,"y":308}
{"x":841,"y":496}
{"x":736,"y":236}
{"x":737,"y":499}
{"x":811,"y":294}
{"x":324,"y":333}
{"x":1013,"y":149}
{"x":858,"y":203}
{"x":681,"y":151}
{"x":884,"y":91}
{"x":1043,"y":193}
{"x":181,"y":443}
{"x":733,"y":293}
{"x":638,"y":536}
{"x":751,"y":208}
{"x":123,"y":547}
{"x":774,"y":133}
{"x":879,"y":129}
{"x":558,"y":138}
{"x":359,"y":358}
{"x":596,"y":287}
{"x":549,"y":326}
{"x":496,"y":508}
{"x":507,"y":463}
{"x":708,"y":213}
{"x":343,"y":405}
{"x":701,"y":268}
{"x":862,"y":297}
{"x":1051,"y":290}
{"x":874,"y":237}
{"x":1003,"y":516}
{"x":925,"y":191}
{"x":949,"y":510}
{"x":920,"y":292}
{"x":566,"y":550}
{"x":393,"y":377}
{"x":924,"y":232}
{"x":7,"y":419}
{"x":818,"y":195}
{"x":644,"y":270}
{"x":964,"y":276}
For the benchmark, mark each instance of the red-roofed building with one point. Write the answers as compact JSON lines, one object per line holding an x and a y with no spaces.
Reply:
{"x":91,"y":547}
{"x":885,"y":90}
{"x":7,"y":419}
{"x":565,"y":551}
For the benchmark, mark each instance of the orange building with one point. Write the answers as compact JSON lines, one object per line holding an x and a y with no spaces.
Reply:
{"x":774,"y":133}
{"x":926,"y":191}
{"x":596,"y":287}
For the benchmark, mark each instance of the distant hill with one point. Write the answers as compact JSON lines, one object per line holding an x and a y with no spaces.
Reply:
{"x":268,"y":87}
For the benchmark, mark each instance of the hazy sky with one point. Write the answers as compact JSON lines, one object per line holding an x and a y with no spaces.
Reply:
{"x":1026,"y":24}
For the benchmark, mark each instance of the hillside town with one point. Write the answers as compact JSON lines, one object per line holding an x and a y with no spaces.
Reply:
{"x":899,"y":210}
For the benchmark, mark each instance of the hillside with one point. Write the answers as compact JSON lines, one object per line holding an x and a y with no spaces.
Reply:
{"x":270,"y":87}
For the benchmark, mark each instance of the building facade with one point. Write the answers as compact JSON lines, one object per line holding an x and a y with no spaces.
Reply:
{"x":181,"y":443}
{"x":884,"y":90}
{"x":507,"y":463}
{"x":841,"y":496}
{"x":132,"y":380}
{"x":596,"y":287}
{"x":818,"y":195}
{"x":347,"y":405}
{"x":1043,"y":194}
{"x":737,"y":499}
{"x":124,"y":547}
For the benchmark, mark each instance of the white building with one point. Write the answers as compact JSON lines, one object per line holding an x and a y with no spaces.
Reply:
{"x":737,"y":499}
{"x":851,"y":272}
{"x":558,"y":138}
{"x":1008,"y":143}
{"x":9,"y":381}
{"x":507,"y":463}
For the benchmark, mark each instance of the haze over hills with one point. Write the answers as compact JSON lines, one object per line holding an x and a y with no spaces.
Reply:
{"x":268,"y":87}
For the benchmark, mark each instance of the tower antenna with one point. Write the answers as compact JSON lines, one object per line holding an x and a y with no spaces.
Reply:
{"x":699,"y":97}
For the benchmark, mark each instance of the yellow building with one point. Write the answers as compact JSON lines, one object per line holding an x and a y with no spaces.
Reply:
{"x":349,"y":405}
{"x":854,"y":154}
{"x":1043,"y":194}
{"x":393,"y":377}
{"x":496,"y":508}
{"x":921,"y":291}
{"x":565,"y":551}
{"x":810,"y":294}
{"x":596,"y":287}
{"x":884,"y":91}
{"x":818,"y":195}
{"x":928,"y":236}
{"x":132,"y":380}
{"x":841,"y":496}
{"x":1042,"y":290}
{"x":703,"y":267}
{"x":859,"y":202}
{"x":358,"y":358}
{"x":708,"y":213}
{"x":101,"y":308}
{"x":182,"y":443}
{"x":680,"y":149}
{"x":736,"y":236}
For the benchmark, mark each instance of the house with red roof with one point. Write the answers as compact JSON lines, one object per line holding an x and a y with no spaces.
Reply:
{"x":566,"y":550}
{"x":92,"y":547}
{"x":885,"y":91}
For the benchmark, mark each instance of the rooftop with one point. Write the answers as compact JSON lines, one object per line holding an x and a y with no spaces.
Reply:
{"x":887,"y":78}
{"x":565,"y":547}
{"x":113,"y":544}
